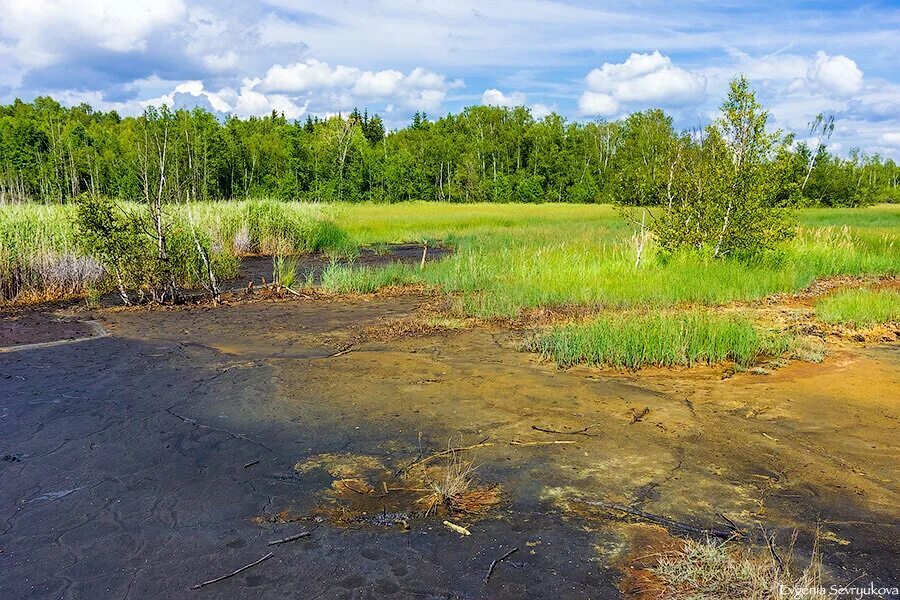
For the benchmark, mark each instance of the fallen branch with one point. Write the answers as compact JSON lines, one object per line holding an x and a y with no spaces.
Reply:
{"x":457,"y":528}
{"x":290,"y":538}
{"x":422,"y":460}
{"x":667,"y":522}
{"x":233,"y":573}
{"x":518,"y":443}
{"x":578,"y":432}
{"x":251,"y":463}
{"x":498,"y":561}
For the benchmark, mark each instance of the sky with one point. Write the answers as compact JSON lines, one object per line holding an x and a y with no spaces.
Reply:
{"x":585,"y":60}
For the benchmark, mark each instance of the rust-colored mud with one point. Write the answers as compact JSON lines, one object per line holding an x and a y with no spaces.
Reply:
{"x":808,"y":443}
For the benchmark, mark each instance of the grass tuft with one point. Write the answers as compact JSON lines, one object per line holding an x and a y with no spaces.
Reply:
{"x":860,"y":307}
{"x":712,"y":570}
{"x":635,"y":340}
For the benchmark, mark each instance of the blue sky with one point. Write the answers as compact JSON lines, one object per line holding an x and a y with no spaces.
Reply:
{"x":586,"y":60}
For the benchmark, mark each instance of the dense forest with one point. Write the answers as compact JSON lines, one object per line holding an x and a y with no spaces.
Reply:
{"x":50,"y":153}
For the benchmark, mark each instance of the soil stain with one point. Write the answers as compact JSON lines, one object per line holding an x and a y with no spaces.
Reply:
{"x":190,"y":428}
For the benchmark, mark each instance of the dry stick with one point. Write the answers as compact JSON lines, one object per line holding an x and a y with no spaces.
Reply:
{"x":251,"y":463}
{"x":233,"y":573}
{"x":422,"y":461}
{"x":424,"y":254}
{"x":520,"y":443}
{"x":290,"y":538}
{"x":578,"y":432}
{"x":770,"y":542}
{"x":497,"y":561}
{"x":665,"y":521}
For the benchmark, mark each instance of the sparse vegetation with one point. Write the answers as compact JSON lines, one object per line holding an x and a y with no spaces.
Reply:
{"x":860,"y":307}
{"x":635,"y":340}
{"x":712,"y":569}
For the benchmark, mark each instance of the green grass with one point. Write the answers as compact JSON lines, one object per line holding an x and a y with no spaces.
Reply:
{"x":508,"y":257}
{"x":632,"y":341}
{"x":511,"y":257}
{"x":860,"y":307}
{"x":40,"y":255}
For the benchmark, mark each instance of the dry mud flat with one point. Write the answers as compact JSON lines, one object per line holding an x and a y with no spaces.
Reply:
{"x":173,"y":450}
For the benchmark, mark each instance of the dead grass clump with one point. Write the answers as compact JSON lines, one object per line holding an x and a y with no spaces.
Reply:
{"x":453,"y":487}
{"x":712,"y":569}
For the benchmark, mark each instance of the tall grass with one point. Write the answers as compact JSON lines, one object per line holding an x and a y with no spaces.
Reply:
{"x":508,"y":257}
{"x":40,"y":254}
{"x":633,"y":341}
{"x":860,"y":307}
{"x":511,"y":257}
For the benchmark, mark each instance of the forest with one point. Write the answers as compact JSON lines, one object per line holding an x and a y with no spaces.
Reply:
{"x":50,"y":154}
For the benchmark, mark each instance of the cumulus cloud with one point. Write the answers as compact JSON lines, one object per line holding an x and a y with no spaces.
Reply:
{"x":597,"y":104}
{"x":494,"y":97}
{"x":643,"y":79}
{"x":41,"y":30}
{"x":836,"y":74}
{"x":540,"y":110}
{"x":420,"y":89}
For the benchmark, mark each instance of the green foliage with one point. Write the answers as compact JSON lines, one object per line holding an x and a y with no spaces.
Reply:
{"x":860,"y":307}
{"x":284,"y":270}
{"x":722,"y":198}
{"x":50,"y":153}
{"x":638,"y":340}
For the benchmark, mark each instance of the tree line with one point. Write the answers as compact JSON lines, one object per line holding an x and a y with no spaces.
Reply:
{"x":51,"y":153}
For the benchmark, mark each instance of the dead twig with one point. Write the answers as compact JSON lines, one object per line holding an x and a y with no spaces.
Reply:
{"x":290,"y":538}
{"x":550,"y":443}
{"x":667,"y":522}
{"x":770,"y":542}
{"x":251,"y":463}
{"x":422,"y":460}
{"x":233,"y":573}
{"x":497,"y":561}
{"x":577,"y":432}
{"x":344,"y":350}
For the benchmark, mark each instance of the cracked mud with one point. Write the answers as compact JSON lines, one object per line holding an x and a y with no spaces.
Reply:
{"x":139,"y":464}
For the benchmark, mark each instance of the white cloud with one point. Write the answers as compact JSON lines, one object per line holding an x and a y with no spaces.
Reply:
{"x":643,"y":79}
{"x":309,"y":75}
{"x":420,"y":89}
{"x":494,"y":97}
{"x":221,"y":62}
{"x":597,"y":104}
{"x":891,"y":138}
{"x":540,"y":110}
{"x":835,"y":74}
{"x":43,"y":29}
{"x":378,"y":84}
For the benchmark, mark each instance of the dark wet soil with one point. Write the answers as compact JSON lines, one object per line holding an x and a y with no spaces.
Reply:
{"x":259,"y":268}
{"x":40,"y":327}
{"x":174,"y":450}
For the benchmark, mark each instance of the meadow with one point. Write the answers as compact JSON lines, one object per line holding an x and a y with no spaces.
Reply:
{"x":507,"y":258}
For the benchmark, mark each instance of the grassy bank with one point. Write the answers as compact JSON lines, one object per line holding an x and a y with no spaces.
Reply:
{"x":638,"y":340}
{"x":507,"y":257}
{"x":860,"y":307}
{"x":41,"y":257}
{"x":510,"y":257}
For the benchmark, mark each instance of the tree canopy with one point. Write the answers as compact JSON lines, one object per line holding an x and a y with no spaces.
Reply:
{"x":51,"y":153}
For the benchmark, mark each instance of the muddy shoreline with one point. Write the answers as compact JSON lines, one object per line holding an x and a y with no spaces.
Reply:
{"x":129,"y":461}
